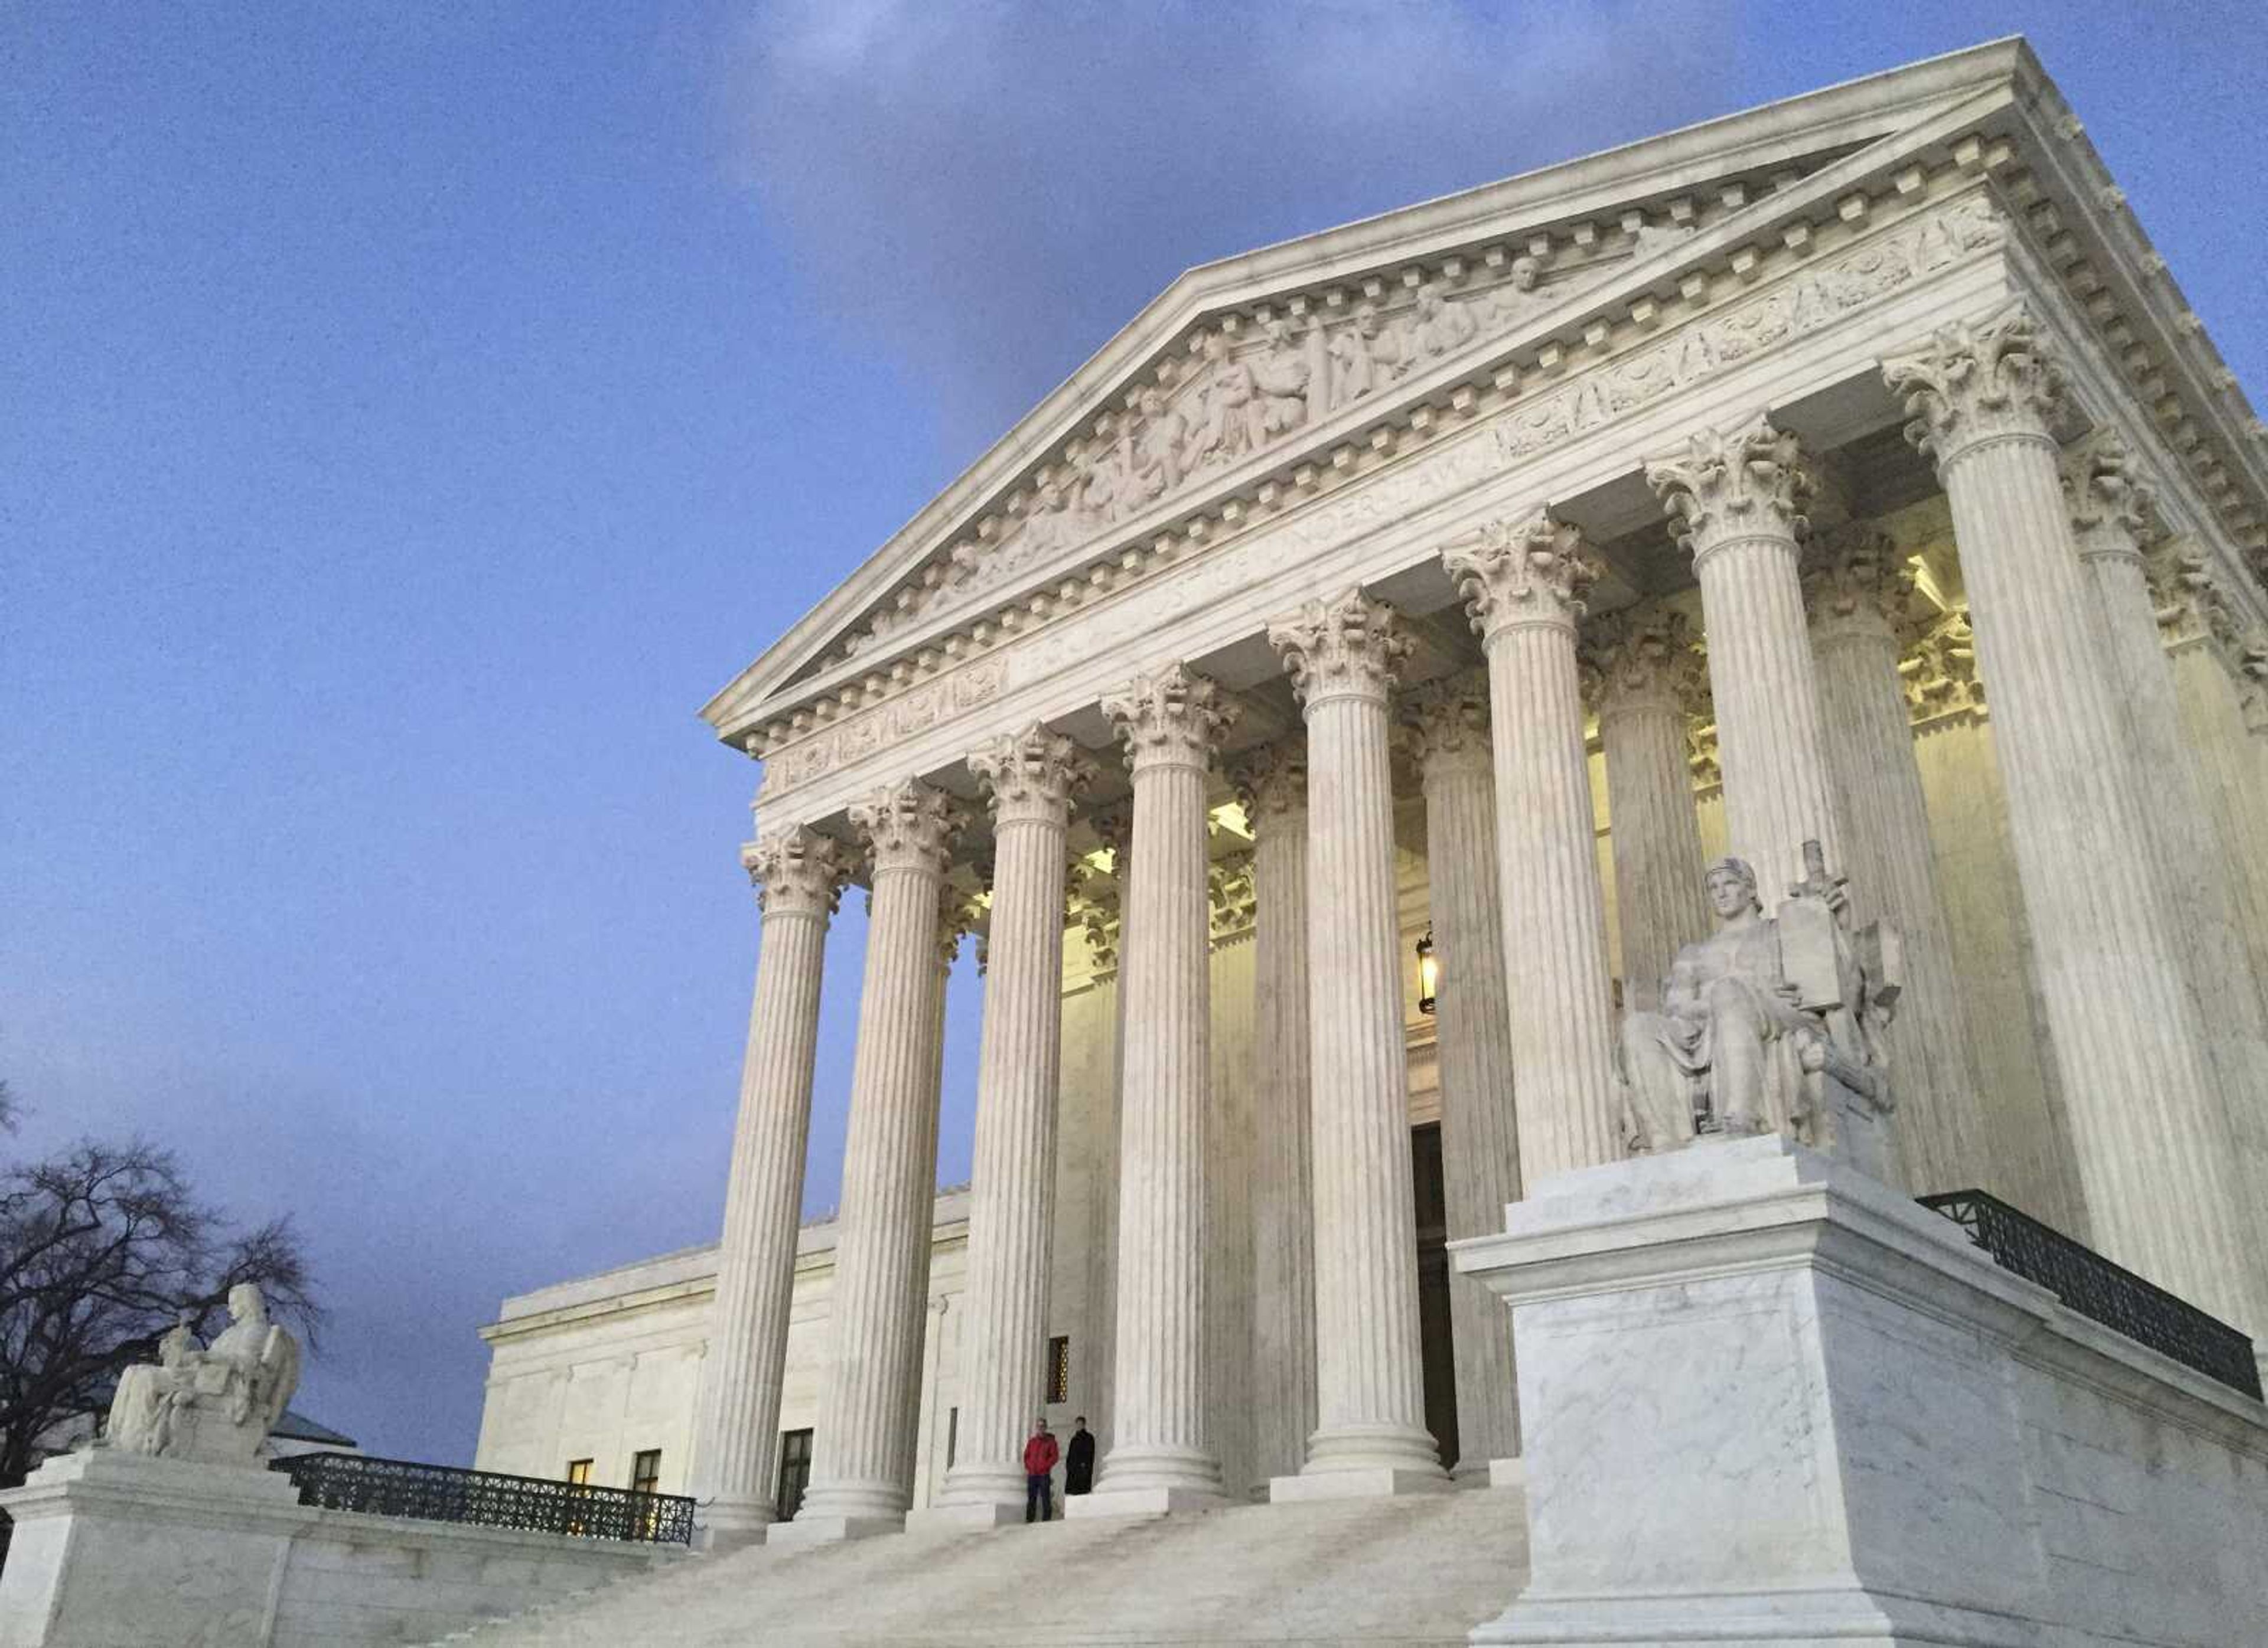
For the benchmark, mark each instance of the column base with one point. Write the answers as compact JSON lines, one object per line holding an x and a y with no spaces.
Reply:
{"x":733,"y":1524}
{"x":1508,"y":1472}
{"x":830,"y":1530}
{"x":1143,"y":1502}
{"x":981,"y":1516}
{"x":1377,"y":1482}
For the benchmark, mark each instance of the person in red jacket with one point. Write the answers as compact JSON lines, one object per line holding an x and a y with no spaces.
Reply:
{"x":1039,"y":1474}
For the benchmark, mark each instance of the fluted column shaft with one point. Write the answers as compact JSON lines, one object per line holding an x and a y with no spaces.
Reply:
{"x":2154,"y":1150}
{"x":1161,"y":1455}
{"x":1648,"y":681}
{"x":1854,"y":593}
{"x":1480,"y":1135}
{"x":1523,"y":584}
{"x":2109,"y":510}
{"x":1275,"y":791}
{"x":1737,"y":495}
{"x":1012,"y":1190}
{"x":798,"y":874}
{"x":1370,"y":1387}
{"x":861,"y":1475}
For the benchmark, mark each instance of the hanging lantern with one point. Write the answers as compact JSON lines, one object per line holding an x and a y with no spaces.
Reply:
{"x":1429,"y":973}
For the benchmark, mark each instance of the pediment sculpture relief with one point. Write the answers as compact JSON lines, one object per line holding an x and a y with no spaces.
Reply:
{"x":215,"y":1403}
{"x":1241,"y":392}
{"x":1772,"y":1023}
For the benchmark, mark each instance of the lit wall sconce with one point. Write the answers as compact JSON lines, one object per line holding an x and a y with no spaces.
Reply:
{"x":1429,"y":973}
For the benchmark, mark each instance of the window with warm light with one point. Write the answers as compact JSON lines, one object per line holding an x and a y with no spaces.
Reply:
{"x":578,"y":1472}
{"x":646,"y":1471}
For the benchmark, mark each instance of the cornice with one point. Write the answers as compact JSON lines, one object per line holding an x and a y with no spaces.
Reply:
{"x":1574,"y":207}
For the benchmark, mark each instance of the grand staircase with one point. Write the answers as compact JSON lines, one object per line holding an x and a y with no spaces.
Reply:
{"x":1412,"y":1570}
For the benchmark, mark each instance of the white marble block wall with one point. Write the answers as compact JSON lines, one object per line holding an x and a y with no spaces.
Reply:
{"x":1769,"y":1401}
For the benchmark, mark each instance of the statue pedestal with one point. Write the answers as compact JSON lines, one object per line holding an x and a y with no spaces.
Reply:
{"x":112,"y":1547}
{"x":1768,"y":1400}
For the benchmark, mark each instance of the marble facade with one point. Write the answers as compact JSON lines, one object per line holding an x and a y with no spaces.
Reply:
{"x":1849,"y":472}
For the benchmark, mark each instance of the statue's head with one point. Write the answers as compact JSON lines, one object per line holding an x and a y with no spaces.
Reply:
{"x":1524,"y":271}
{"x":245,"y":1303}
{"x":1731,"y":887}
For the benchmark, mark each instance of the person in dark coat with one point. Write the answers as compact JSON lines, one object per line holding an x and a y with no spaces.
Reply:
{"x":1079,"y":1461}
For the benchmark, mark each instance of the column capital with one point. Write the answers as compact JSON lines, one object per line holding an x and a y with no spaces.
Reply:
{"x":909,"y":825}
{"x":959,"y":913}
{"x":1518,"y":574}
{"x":1272,"y":782}
{"x":1858,"y":587}
{"x":796,"y":871}
{"x":1094,"y":907}
{"x":1348,"y":646}
{"x":1975,"y":382}
{"x":2113,"y":506}
{"x":1939,"y":671}
{"x":1173,"y":719}
{"x":1230,"y":898}
{"x":2191,"y":605}
{"x":1644,"y":658}
{"x":1445,"y":724}
{"x":1728,"y":485}
{"x":1031,"y":776}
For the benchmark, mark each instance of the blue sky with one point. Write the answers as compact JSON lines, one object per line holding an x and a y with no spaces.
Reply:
{"x":409,"y":414}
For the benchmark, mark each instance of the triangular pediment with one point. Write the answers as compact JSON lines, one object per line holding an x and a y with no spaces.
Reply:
{"x":1275,"y":357}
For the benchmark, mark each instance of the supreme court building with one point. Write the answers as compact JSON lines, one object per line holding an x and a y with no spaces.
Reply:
{"x":1463,"y":581}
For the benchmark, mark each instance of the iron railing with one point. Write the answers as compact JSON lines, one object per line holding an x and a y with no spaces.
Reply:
{"x":2087,"y":1283}
{"x":443,"y":1493}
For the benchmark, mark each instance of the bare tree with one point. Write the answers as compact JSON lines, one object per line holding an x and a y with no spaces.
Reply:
{"x":101,"y":1248}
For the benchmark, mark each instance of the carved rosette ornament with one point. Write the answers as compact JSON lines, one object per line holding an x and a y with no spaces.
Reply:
{"x":1033,"y":775}
{"x":1644,"y":658}
{"x":1350,"y":646}
{"x":1858,"y":587}
{"x":2113,"y":507}
{"x":908,"y":826}
{"x":1173,"y":719}
{"x":1732,"y":485}
{"x":1513,"y":575}
{"x":797,"y":871}
{"x":1975,"y":384}
{"x":1445,"y":723}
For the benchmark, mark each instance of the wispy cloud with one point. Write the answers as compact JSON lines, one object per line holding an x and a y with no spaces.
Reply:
{"x":986,"y":192}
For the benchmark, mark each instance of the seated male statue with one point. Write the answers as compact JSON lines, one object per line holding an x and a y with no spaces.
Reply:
{"x":214,"y":1403}
{"x":1769,"y":1026}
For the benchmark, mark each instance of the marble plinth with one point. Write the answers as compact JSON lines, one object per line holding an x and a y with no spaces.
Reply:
{"x":1139,"y":1502}
{"x":1370,"y":1481}
{"x":979,"y":1516}
{"x":1855,"y":1428}
{"x":830,"y":1530}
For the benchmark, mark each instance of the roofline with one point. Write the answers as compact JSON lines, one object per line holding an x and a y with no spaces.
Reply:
{"x":1396,"y":233}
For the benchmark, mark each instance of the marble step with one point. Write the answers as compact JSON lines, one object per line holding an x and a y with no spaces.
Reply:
{"x":1421,"y":1570}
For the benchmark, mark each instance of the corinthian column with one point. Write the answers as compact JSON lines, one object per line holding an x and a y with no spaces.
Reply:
{"x":862,"y":1475}
{"x":2159,"y":1173}
{"x":1523,"y":584}
{"x":2110,"y":509}
{"x":1865,"y":613}
{"x":1448,"y":724}
{"x":1648,"y":682}
{"x":1370,"y":1385}
{"x":1161,"y":1456}
{"x":1737,"y":499}
{"x":1031,"y":779}
{"x":798,"y":877}
{"x":2209,"y":658}
{"x":1273,"y":786}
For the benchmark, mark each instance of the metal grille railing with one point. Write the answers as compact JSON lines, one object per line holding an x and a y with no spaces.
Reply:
{"x":2087,"y":1283}
{"x":443,"y":1493}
